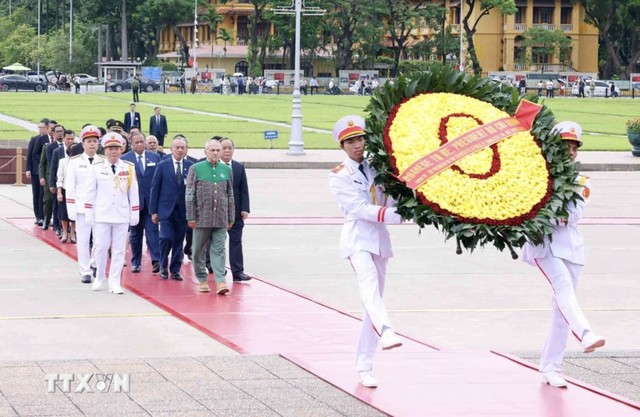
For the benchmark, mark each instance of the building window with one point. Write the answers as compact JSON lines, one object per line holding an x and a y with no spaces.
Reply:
{"x":243,"y":67}
{"x":521,"y":14}
{"x":242,"y":30}
{"x":307,"y":67}
{"x":542,"y":15}
{"x":454,"y":15}
{"x":565,"y":15}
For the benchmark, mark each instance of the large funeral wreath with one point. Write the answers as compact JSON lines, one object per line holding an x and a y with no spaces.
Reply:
{"x":503,"y":194}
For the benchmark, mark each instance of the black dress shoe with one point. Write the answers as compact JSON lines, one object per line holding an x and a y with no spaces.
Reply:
{"x":86,"y":279}
{"x":155,"y":267}
{"x":164,"y":274}
{"x":135,"y":269}
{"x":58,"y":232}
{"x":242,"y":277}
{"x":40,"y":222}
{"x":176,"y":276}
{"x":45,"y":226}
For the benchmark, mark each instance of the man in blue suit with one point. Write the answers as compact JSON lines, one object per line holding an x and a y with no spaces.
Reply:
{"x":145,"y":163}
{"x":241,"y":199}
{"x":158,"y":126}
{"x":132,"y":119}
{"x":33,"y":168}
{"x":168,"y":206}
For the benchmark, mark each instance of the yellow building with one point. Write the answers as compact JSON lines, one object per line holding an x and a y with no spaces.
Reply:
{"x":214,"y":52}
{"x":499,"y":37}
{"x":497,"y":40}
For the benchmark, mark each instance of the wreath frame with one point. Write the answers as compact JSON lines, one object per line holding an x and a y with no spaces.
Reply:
{"x":445,"y":79}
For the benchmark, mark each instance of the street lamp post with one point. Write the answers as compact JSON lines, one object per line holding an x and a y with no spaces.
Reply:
{"x":38,"y":67}
{"x":195,"y":37}
{"x":296,"y":144}
{"x":70,"y":31}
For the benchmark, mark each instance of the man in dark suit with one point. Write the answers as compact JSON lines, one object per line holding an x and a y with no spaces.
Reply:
{"x":50,"y":203}
{"x":52,"y":179}
{"x":241,"y":199}
{"x":34,"y":152}
{"x":132,"y":118}
{"x":168,"y":207}
{"x":158,"y":126}
{"x":145,"y":163}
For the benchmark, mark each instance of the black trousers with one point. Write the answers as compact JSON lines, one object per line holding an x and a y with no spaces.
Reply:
{"x":36,"y":190}
{"x":236,"y":257}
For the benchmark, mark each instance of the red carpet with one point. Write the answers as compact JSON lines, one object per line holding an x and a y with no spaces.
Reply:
{"x":415,"y":380}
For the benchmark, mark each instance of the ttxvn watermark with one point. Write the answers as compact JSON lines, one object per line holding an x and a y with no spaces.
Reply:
{"x":95,"y":382}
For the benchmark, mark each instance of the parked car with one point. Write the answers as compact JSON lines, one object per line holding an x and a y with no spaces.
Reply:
{"x":86,"y":79}
{"x":602,"y":89}
{"x":146,"y":84}
{"x":36,"y":77}
{"x":19,"y":82}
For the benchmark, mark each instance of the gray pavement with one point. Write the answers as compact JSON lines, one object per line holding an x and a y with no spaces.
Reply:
{"x":470,"y":302}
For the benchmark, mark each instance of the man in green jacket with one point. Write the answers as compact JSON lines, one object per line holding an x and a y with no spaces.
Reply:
{"x":210,"y":213}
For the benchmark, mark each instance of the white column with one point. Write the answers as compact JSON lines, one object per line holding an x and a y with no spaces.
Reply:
{"x":296,"y":144}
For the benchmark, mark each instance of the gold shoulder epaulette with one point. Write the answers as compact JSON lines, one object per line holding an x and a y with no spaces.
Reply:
{"x":127,"y":162}
{"x":337,"y":169}
{"x":76,"y":156}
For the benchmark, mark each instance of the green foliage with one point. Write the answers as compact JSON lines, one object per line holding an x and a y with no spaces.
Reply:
{"x":169,"y":66}
{"x":55,"y":54}
{"x":442,"y":78}
{"x":474,"y":11}
{"x":633,"y":125}
{"x":541,"y":42}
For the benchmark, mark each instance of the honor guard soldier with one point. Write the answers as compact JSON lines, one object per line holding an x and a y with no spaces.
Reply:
{"x":112,"y":206}
{"x":75,"y":184}
{"x":560,"y":259}
{"x":364,"y":240}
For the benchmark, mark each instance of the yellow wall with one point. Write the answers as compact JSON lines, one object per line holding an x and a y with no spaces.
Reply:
{"x":494,"y":40}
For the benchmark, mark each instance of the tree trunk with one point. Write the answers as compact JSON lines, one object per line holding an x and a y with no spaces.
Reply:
{"x":183,"y":42}
{"x":107,"y":43}
{"x":124,"y":41}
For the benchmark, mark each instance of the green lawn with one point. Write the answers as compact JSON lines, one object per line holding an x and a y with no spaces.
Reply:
{"x":603,"y":120}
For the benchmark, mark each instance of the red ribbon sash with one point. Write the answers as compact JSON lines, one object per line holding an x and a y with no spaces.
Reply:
{"x":468,"y":143}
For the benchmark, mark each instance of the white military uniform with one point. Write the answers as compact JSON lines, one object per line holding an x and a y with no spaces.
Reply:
{"x":75,"y":185}
{"x":112,"y":205}
{"x":365,"y":241}
{"x":561,"y":260}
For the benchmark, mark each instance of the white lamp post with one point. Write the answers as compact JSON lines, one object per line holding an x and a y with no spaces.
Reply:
{"x":70,"y":30}
{"x":195,"y":37}
{"x":38,"y":67}
{"x":461,"y":39}
{"x":296,"y":144}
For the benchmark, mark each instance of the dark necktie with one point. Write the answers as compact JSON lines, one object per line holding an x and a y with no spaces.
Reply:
{"x":113,"y":168}
{"x":361,"y":168}
{"x":140,"y":163}
{"x":178,"y":173}
{"x":91,"y":160}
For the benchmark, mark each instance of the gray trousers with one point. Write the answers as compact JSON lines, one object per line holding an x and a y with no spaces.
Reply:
{"x":212,"y":239}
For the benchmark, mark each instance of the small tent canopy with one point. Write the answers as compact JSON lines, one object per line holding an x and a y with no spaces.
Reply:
{"x":16,"y":67}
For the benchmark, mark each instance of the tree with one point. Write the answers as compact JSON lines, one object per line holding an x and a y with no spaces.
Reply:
{"x":540,"y":43}
{"x":346,"y":22}
{"x":212,"y":19}
{"x":19,"y":46}
{"x":170,"y":13}
{"x":225,"y":36}
{"x":404,"y":17}
{"x":505,"y":7}
{"x":616,"y":21}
